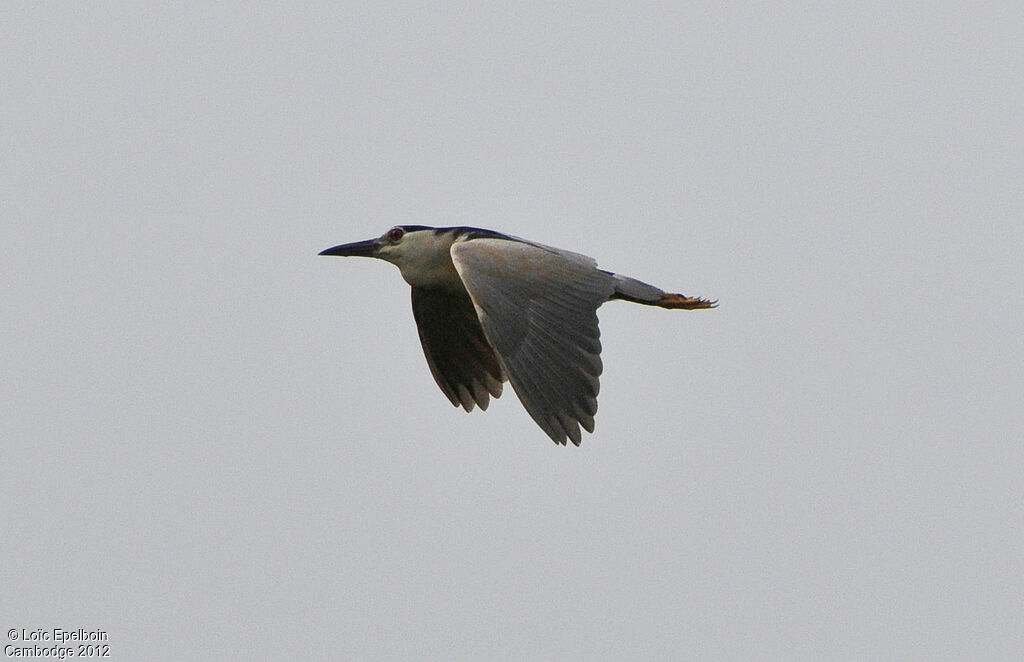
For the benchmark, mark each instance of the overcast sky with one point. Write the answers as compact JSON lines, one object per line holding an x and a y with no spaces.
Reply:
{"x":218,"y":445}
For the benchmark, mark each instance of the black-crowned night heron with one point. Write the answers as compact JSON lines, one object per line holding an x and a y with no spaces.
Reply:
{"x":491,"y":307}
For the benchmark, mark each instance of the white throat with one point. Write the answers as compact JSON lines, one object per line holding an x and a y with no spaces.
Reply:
{"x":425,"y":260}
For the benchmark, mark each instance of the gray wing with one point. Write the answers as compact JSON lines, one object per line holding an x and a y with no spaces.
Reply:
{"x":460,"y":358}
{"x":538,"y":307}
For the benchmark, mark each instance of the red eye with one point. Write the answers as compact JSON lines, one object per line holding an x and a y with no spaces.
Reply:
{"x":394,"y":234}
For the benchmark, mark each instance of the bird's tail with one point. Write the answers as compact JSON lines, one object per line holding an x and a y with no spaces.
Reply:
{"x":631,"y":289}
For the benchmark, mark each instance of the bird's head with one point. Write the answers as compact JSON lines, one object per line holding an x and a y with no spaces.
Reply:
{"x":421,"y":252}
{"x":390,"y":246}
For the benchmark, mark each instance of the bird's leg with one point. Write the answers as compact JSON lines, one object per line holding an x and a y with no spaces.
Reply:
{"x":669,"y":300}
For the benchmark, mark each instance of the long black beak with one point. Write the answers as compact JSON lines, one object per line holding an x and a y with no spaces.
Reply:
{"x":366,"y":248}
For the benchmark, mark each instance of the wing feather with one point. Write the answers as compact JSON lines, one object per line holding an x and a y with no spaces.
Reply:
{"x":460,"y":357}
{"x":538,"y":308}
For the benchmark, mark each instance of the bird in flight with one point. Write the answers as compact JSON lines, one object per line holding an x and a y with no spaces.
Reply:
{"x":492,"y":308}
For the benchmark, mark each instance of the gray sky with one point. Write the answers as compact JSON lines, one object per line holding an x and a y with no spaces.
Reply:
{"x":219,"y":445}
